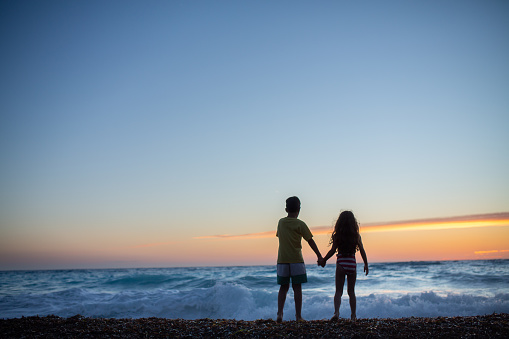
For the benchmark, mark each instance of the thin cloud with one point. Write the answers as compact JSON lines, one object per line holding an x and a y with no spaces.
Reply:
{"x":467,"y":221}
{"x":490,"y":252}
{"x":267,"y":234}
{"x":153,"y":244}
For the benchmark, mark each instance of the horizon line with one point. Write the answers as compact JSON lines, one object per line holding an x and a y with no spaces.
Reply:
{"x":163,"y":266}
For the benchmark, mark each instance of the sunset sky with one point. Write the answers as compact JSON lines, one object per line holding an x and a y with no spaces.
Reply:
{"x":170,"y":133}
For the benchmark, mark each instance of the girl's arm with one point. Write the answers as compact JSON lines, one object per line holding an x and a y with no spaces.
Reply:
{"x":329,"y":254}
{"x":363,"y":255}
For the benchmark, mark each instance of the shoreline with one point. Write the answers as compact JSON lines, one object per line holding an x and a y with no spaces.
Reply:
{"x":486,"y":326}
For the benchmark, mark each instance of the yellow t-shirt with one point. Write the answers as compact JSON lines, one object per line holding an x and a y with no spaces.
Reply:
{"x":290,"y":231}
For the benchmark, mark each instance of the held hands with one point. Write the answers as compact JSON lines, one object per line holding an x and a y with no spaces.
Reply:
{"x":321,"y":262}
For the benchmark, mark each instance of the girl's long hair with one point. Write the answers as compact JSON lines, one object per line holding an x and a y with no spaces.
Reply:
{"x":346,"y":234}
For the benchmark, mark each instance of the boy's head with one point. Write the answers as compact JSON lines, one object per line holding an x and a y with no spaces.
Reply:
{"x":292,"y":205}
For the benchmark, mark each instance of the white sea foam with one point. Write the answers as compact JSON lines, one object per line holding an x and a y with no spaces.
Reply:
{"x":248,"y":293}
{"x":230,"y":301}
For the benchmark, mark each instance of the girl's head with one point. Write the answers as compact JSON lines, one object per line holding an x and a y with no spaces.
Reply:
{"x":347,"y":222}
{"x":346,"y":233}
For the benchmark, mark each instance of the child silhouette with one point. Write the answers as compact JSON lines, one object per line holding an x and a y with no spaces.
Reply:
{"x":290,"y":263}
{"x":346,"y":240}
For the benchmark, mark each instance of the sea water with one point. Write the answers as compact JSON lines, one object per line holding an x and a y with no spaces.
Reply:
{"x":391,"y":290}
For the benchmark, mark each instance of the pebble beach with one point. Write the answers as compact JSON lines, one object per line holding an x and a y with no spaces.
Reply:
{"x":488,"y":326}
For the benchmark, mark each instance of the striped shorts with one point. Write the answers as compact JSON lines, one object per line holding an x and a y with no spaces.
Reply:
{"x":348,"y":263}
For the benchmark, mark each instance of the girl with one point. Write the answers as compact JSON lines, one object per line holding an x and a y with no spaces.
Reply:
{"x":346,"y":240}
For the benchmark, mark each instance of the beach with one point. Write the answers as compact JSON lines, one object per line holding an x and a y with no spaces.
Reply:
{"x":487,"y":326}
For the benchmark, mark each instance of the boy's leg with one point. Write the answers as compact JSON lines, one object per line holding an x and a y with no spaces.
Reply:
{"x":281,"y":298}
{"x":297,"y":295}
{"x":340,"y":282}
{"x":351,"y":293}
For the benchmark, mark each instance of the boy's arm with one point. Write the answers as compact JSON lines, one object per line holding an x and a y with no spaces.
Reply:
{"x":313,"y":246}
{"x":363,"y":255}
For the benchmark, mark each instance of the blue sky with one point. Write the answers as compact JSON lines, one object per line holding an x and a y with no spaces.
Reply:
{"x":176,"y":119}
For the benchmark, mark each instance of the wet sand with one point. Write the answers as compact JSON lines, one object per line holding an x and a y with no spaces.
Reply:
{"x":489,"y":326}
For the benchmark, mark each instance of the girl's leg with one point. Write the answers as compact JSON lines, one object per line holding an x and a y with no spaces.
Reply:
{"x":351,"y":293}
{"x":340,"y":282}
{"x":297,"y":295}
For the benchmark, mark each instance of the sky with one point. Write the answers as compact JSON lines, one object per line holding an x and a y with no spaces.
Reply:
{"x":138,"y":134}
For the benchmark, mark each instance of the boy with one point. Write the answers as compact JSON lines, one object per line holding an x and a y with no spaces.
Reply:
{"x":290,"y":264}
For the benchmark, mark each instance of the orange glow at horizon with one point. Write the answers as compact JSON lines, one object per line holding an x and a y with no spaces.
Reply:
{"x":483,"y":220}
{"x":435,"y":225}
{"x":490,"y":252}
{"x":457,"y":238}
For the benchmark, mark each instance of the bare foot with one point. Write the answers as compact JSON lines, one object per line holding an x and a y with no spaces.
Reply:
{"x":279,"y":318}
{"x":335,"y":317}
{"x":353,"y":317}
{"x":299,"y":319}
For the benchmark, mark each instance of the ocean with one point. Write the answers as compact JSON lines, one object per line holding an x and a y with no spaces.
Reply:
{"x":391,"y":290}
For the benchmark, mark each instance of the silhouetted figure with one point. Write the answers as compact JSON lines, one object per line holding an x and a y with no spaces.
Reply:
{"x":346,"y":240}
{"x":290,"y":263}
